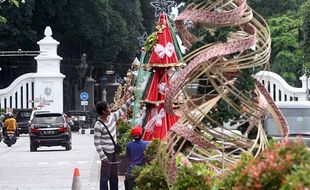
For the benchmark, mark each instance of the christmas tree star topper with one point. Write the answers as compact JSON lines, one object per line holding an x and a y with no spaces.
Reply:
{"x":162,"y":6}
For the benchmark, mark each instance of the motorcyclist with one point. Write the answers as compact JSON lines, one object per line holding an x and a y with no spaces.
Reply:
{"x":9,"y":124}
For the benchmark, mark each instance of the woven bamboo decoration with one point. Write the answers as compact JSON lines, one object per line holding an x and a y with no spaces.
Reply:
{"x":199,"y":135}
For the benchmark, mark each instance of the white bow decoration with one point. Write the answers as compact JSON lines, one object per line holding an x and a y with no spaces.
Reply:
{"x":156,"y":120}
{"x":161,"y":51}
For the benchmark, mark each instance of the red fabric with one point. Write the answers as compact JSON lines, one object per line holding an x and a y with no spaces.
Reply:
{"x":160,"y":67}
{"x":159,"y":132}
{"x":136,"y":131}
{"x":163,"y":38}
{"x":152,"y":94}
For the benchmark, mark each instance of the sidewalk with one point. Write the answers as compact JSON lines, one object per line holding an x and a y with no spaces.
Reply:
{"x":94,"y":176}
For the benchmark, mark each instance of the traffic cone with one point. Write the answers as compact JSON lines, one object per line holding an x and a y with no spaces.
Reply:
{"x":76,"y":183}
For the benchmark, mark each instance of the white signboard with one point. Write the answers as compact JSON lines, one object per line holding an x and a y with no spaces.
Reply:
{"x":84,"y":103}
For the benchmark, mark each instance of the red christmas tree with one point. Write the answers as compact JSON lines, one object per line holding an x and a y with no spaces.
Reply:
{"x":164,"y":54}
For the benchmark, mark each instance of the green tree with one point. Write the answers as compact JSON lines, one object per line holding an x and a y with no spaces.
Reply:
{"x":305,"y":40}
{"x":3,"y":20}
{"x":285,"y":56}
{"x":16,"y":33}
{"x":148,"y":13}
{"x":105,"y":30}
{"x":287,"y":65}
{"x":274,"y":7}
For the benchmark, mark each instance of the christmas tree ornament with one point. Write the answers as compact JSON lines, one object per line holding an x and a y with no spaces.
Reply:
{"x":142,"y":39}
{"x":162,"y":6}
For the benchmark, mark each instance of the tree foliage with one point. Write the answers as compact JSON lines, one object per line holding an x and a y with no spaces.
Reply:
{"x":106,"y":30}
{"x":148,"y":16}
{"x":17,"y":33}
{"x":285,"y":56}
{"x":3,"y":20}
{"x":274,"y":7}
{"x":305,"y":39}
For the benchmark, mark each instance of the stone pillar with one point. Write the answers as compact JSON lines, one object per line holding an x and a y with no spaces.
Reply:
{"x":90,"y":89}
{"x":111,"y":86}
{"x":77,"y":99}
{"x":48,"y":82}
{"x":305,"y":85}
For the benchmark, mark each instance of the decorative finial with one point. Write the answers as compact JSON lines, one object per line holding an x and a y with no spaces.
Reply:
{"x":48,"y":31}
{"x":162,"y":6}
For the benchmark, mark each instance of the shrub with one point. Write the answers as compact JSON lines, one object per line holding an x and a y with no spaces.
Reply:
{"x":151,"y":177}
{"x":299,"y":179}
{"x":151,"y":150}
{"x":123,"y":134}
{"x":196,"y":177}
{"x":283,"y":166}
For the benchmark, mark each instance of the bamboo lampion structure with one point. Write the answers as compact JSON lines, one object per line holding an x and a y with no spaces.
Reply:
{"x":198,"y":135}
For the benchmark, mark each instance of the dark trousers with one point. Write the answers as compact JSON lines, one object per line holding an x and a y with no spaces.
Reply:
{"x":4,"y":132}
{"x":109,"y":173}
{"x":129,"y":182}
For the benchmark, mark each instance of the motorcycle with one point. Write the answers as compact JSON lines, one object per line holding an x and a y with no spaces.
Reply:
{"x":10,"y":138}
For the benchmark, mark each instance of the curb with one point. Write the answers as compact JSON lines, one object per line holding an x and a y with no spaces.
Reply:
{"x":86,"y":131}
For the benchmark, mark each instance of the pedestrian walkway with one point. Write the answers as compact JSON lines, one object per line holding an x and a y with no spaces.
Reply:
{"x":94,"y":176}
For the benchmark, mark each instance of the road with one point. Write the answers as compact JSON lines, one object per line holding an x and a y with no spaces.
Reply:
{"x":50,"y":167}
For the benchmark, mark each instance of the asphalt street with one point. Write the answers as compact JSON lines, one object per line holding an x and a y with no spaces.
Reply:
{"x":50,"y":167}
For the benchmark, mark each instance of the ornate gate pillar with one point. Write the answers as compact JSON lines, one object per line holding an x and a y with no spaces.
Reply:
{"x":48,"y":82}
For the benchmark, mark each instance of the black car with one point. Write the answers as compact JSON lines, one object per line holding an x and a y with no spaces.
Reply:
{"x":80,"y":119}
{"x":49,"y":129}
{"x":22,"y":117}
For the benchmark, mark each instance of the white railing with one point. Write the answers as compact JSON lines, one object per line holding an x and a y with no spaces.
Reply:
{"x":19,"y":94}
{"x":279,"y":89}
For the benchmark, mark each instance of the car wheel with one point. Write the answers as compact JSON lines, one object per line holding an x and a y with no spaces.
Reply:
{"x":68,"y":147}
{"x":33,"y":148}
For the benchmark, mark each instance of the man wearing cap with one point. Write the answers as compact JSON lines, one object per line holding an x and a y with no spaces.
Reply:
{"x":134,"y":155}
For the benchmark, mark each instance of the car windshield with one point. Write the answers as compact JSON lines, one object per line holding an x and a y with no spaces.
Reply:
{"x":23,"y":115}
{"x":298,"y":121}
{"x":48,"y":119}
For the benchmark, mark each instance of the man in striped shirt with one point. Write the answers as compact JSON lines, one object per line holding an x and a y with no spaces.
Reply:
{"x":104,"y":144}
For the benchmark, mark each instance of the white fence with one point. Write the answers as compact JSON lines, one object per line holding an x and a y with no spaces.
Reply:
{"x":19,"y":94}
{"x":279,"y":89}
